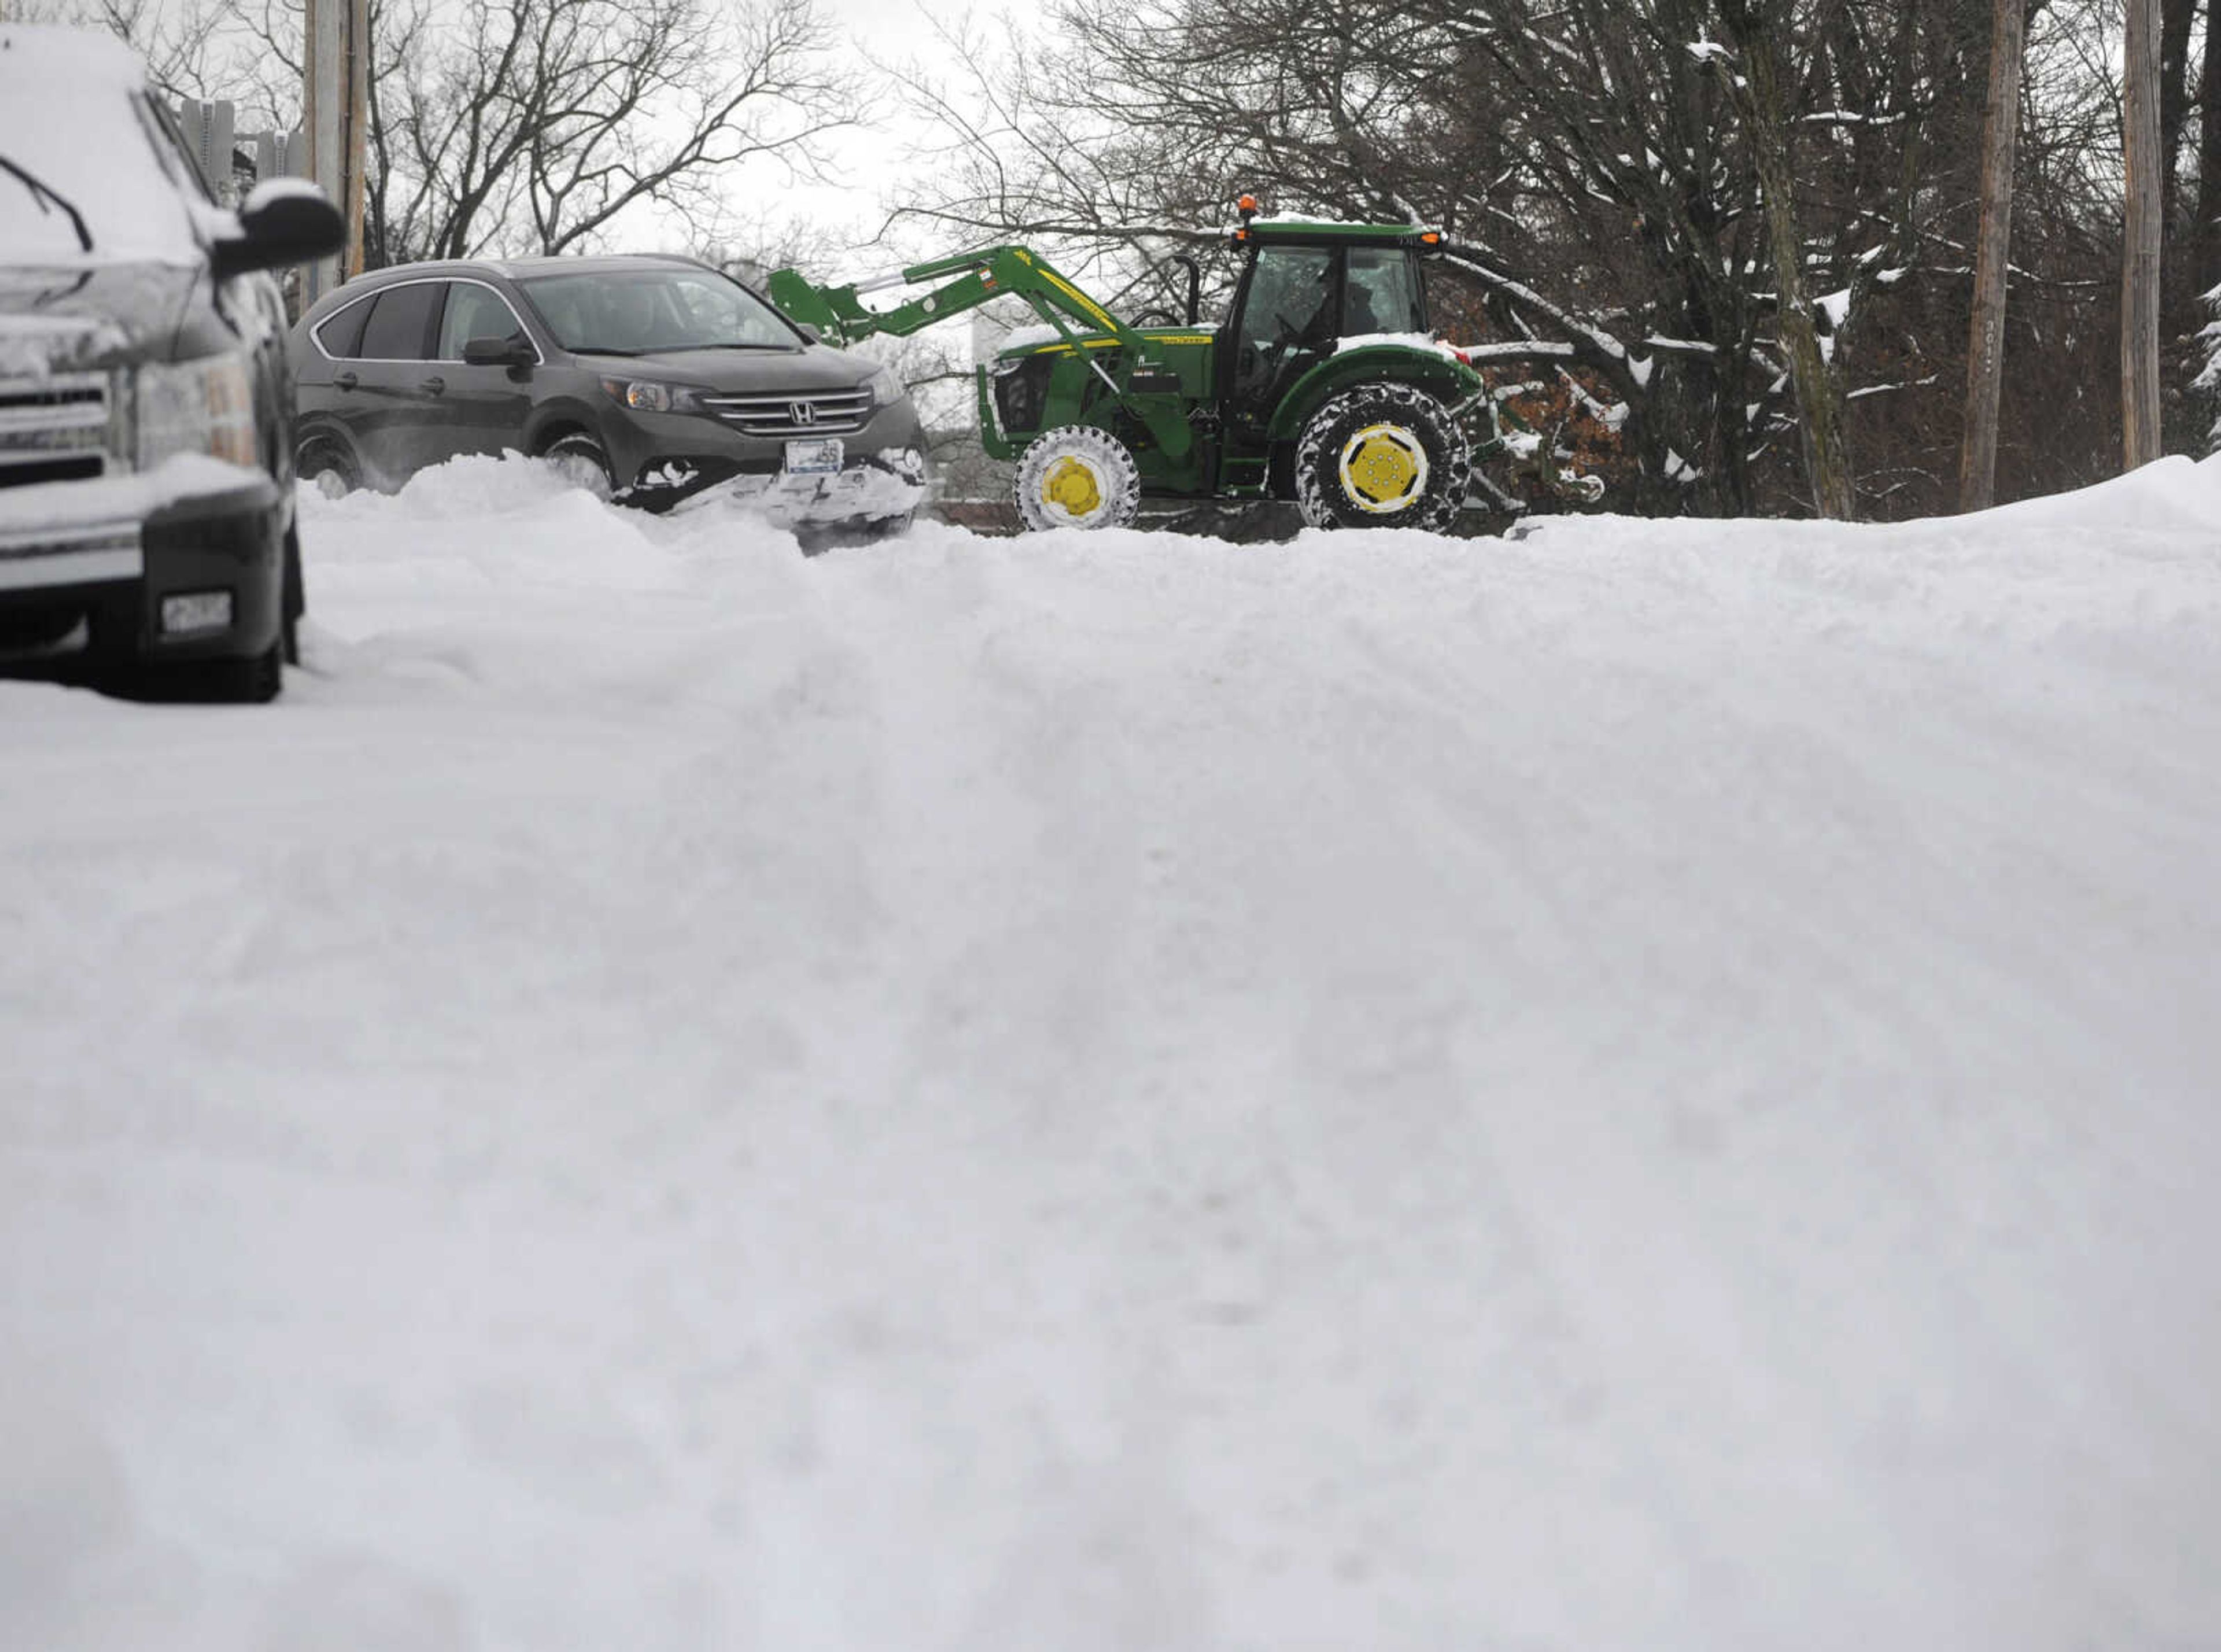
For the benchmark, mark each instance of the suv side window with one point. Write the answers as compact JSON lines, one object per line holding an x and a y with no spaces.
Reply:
{"x":474,"y":312}
{"x":400,"y":324}
{"x":341,"y":332}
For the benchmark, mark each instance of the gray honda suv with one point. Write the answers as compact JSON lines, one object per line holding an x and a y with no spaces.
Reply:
{"x":648,"y":381}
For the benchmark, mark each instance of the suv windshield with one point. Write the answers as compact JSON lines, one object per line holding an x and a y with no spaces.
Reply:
{"x":640,"y":312}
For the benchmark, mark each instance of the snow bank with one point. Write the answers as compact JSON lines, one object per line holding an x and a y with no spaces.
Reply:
{"x":1650,"y":1086}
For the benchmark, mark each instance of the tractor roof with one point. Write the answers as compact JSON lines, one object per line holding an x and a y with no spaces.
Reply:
{"x":1315,"y":229}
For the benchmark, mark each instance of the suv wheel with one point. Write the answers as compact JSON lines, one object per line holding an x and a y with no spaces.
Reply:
{"x":325,"y":466}
{"x":579,"y":460}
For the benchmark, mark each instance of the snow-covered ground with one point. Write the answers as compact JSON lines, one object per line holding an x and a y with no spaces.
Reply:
{"x":1656,"y":1086}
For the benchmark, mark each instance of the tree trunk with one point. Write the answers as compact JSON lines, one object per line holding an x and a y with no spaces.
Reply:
{"x":2173,"y":93}
{"x":2139,"y":415}
{"x":1820,"y":411}
{"x":1986,"y":346}
{"x":2205,"y":233}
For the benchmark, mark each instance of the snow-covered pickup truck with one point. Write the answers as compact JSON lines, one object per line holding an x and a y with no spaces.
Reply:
{"x":147,"y":530}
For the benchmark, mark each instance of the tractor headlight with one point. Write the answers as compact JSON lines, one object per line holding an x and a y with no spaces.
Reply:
{"x":886,"y":389}
{"x":196,"y":407}
{"x":653,"y":395}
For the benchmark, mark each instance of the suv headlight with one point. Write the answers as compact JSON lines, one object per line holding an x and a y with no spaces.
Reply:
{"x":653,"y":396}
{"x":886,"y":389}
{"x":196,"y":407}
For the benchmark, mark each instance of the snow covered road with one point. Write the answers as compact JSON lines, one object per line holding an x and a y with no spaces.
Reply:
{"x":1650,"y":1087}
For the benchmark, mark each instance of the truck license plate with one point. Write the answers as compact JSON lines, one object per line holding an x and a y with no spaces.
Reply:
{"x":819,"y":458}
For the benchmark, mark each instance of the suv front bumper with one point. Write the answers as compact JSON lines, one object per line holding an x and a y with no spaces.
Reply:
{"x":667,"y":460}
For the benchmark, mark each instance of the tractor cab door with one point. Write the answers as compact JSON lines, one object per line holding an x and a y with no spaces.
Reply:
{"x":1296,"y":302}
{"x":1287,"y":317}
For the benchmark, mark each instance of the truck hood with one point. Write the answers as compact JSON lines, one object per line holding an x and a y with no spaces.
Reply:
{"x":71,"y":317}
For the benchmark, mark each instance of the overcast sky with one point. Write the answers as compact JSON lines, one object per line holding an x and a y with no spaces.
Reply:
{"x":880,"y":161}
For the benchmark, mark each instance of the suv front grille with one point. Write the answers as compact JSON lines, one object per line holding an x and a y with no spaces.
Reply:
{"x":794,"y":412}
{"x":54,"y":429}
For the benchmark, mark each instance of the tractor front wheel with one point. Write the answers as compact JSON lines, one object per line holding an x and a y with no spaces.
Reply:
{"x":1077,"y":477}
{"x":1382,"y":456}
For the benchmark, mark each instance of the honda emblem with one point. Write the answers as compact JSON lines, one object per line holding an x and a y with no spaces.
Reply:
{"x":802,"y":413}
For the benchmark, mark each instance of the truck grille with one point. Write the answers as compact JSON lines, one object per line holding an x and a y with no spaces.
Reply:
{"x":54,"y":429}
{"x":794,"y":412}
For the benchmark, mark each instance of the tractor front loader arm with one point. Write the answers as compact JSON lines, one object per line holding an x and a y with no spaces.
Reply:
{"x":979,"y":277}
{"x":990,"y":273}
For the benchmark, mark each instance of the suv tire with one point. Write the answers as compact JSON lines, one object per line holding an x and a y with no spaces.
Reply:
{"x":579,"y":460}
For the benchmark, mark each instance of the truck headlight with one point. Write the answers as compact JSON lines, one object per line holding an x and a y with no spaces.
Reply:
{"x":196,"y":407}
{"x":653,"y":395}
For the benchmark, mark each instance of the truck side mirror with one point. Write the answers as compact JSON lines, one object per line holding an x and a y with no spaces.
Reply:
{"x":285,"y":221}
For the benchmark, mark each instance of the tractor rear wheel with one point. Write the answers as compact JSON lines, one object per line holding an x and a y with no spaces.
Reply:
{"x":1382,"y":456}
{"x":1077,"y":477}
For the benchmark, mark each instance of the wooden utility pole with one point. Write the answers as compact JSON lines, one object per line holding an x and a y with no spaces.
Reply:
{"x":335,"y":121}
{"x":2140,"y":432}
{"x":1986,"y":345}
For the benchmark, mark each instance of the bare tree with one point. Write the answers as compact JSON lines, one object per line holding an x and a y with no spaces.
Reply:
{"x":1978,"y":465}
{"x":180,"y":43}
{"x":533,"y":124}
{"x":1757,"y":25}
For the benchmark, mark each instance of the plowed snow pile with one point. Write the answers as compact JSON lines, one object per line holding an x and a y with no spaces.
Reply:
{"x":1656,"y":1086}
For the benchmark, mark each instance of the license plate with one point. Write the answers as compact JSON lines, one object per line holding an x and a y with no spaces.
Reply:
{"x":819,"y":458}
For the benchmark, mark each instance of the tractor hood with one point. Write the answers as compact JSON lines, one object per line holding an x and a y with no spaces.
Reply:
{"x":1046,"y":340}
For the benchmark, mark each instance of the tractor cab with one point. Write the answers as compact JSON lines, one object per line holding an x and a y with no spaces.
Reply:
{"x":1307,"y":292}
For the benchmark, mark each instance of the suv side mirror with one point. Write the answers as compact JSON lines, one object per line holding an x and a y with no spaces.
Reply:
{"x":514,"y":351}
{"x":285,"y":221}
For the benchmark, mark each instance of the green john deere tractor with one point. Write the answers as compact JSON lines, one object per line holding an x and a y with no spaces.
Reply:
{"x":1325,"y":385}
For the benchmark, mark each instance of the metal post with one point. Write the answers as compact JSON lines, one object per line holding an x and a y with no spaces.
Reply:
{"x":209,"y":129}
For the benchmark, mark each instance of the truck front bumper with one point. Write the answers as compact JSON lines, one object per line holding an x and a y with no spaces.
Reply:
{"x":186,"y":562}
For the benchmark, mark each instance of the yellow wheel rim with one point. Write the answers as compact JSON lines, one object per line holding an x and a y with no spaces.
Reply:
{"x":1384,"y":469}
{"x":1072,"y":486}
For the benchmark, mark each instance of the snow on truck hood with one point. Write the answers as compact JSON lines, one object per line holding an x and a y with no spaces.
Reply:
{"x":71,"y":113}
